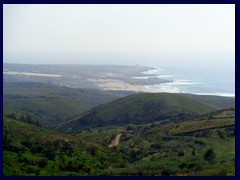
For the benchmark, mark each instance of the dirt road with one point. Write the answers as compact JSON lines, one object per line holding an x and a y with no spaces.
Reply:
{"x":116,"y":141}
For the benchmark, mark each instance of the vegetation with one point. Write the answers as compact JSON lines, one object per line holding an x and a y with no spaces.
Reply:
{"x":143,"y":150}
{"x":161,"y":134}
{"x":140,"y":109}
{"x":24,"y":118}
{"x":209,"y":155}
{"x":50,"y":104}
{"x":32,"y":150}
{"x":181,"y":148}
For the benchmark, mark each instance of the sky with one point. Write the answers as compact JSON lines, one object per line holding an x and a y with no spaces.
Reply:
{"x":162,"y":34}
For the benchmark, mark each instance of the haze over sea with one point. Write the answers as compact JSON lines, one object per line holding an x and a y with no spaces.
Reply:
{"x":192,"y":45}
{"x":195,"y":80}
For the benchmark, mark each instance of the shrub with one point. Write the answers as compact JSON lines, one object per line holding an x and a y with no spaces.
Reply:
{"x":193,"y":152}
{"x":180,"y":153}
{"x":42,"y":162}
{"x":12,"y":116}
{"x":182,"y":165}
{"x":209,"y":155}
{"x":131,"y":127}
{"x":15,"y":147}
{"x":168,"y":172}
{"x":92,"y":149}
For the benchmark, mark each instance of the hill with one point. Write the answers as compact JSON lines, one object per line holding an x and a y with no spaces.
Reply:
{"x":51,"y":104}
{"x":31,"y":150}
{"x":144,"y":108}
{"x":174,"y":148}
{"x":218,"y":102}
{"x":204,"y":145}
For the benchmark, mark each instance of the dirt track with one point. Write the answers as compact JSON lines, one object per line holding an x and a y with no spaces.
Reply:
{"x":116,"y":141}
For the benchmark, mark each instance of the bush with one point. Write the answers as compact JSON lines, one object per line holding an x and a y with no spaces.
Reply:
{"x":209,"y":155}
{"x":168,"y":172}
{"x":92,"y":149}
{"x":180,"y":153}
{"x":131,"y":127}
{"x":50,"y":154}
{"x":16,"y":147}
{"x":193,"y":152}
{"x":12,"y":116}
{"x":182,"y":165}
{"x":42,"y":162}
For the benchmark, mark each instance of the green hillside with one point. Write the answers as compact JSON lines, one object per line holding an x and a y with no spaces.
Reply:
{"x":218,"y":102}
{"x":204,"y":145}
{"x":177,"y":148}
{"x":110,"y":133}
{"x":31,"y":150}
{"x":141,"y":108}
{"x":50,"y":104}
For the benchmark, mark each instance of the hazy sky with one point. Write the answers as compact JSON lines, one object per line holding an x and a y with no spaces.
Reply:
{"x":119,"y":34}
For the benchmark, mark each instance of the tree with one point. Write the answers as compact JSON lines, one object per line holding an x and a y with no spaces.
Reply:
{"x":209,"y":155}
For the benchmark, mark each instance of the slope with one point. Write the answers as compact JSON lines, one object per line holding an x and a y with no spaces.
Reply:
{"x":50,"y":104}
{"x":176,"y":148}
{"x":140,"y":109}
{"x":218,"y":102}
{"x":31,"y":150}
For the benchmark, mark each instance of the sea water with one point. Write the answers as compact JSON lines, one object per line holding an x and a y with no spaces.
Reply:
{"x":194,"y":80}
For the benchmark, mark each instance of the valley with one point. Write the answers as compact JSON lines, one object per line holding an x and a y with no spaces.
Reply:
{"x":58,"y":130}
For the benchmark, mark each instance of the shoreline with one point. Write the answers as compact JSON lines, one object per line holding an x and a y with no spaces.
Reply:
{"x":117,"y":85}
{"x":31,"y":74}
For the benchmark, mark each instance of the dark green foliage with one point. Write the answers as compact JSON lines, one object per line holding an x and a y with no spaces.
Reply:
{"x":209,"y":155}
{"x":180,"y":153}
{"x":195,"y":167}
{"x":42,"y":162}
{"x":92,"y":149}
{"x":12,"y":116}
{"x":130,"y":127}
{"x":168,"y":172}
{"x":199,"y":142}
{"x":182,"y":165}
{"x":193,"y":152}
{"x":220,"y":133}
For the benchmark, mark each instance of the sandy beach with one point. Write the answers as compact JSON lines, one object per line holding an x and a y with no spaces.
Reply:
{"x":113,"y":84}
{"x":31,"y":74}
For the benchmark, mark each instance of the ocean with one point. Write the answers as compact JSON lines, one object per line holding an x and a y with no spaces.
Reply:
{"x":194,"y":80}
